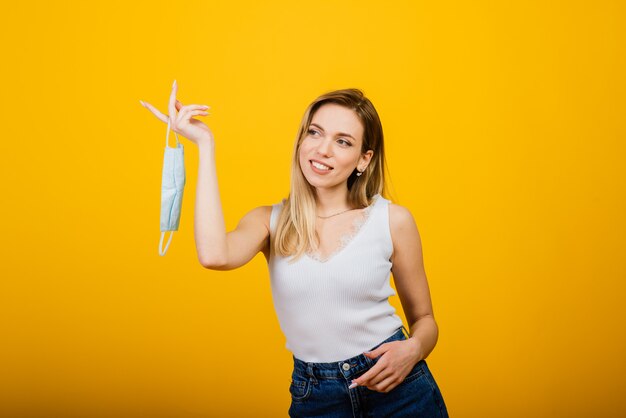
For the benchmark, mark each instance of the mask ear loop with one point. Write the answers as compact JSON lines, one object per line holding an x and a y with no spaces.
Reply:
{"x":167,"y":138}
{"x":162,"y":252}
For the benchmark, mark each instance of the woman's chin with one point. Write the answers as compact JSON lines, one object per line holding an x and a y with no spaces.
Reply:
{"x":325,"y":184}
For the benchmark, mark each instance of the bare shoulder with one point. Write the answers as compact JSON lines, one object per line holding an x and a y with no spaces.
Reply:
{"x":400,"y":217}
{"x":260,"y":215}
{"x":404,"y":234}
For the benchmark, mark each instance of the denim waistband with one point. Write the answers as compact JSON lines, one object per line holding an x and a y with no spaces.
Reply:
{"x":344,"y":369}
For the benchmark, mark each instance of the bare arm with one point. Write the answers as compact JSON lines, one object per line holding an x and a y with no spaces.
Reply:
{"x":410,"y":279}
{"x":209,"y":228}
{"x":217,"y":249}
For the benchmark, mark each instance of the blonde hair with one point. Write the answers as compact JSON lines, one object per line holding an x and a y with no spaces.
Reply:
{"x":295,"y":229}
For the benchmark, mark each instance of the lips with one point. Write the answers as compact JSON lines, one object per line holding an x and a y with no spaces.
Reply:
{"x":319,"y":162}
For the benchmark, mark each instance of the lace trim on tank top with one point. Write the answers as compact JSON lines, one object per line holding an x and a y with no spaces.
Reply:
{"x":357,"y":225}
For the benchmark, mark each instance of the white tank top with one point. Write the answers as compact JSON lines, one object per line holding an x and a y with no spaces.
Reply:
{"x":338,"y":308}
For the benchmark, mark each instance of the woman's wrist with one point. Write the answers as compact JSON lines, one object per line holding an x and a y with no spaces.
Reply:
{"x":206,"y":144}
{"x":417,"y":348}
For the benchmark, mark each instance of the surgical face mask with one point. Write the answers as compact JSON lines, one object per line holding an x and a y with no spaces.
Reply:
{"x":172,"y":186}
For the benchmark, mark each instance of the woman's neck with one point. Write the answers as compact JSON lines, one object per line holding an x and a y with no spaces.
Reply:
{"x":331,"y":202}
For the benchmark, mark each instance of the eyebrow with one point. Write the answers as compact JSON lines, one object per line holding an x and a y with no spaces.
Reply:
{"x":340,"y":133}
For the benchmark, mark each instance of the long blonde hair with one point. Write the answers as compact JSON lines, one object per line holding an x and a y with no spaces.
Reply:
{"x":295,"y":230}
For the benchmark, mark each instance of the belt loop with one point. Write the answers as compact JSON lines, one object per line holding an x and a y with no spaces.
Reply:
{"x":370,"y":363}
{"x":406,"y":332}
{"x":309,"y":371}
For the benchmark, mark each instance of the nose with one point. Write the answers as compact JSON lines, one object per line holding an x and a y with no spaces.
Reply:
{"x":324,"y":148}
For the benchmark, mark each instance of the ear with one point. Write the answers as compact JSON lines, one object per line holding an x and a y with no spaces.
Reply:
{"x":365,"y":159}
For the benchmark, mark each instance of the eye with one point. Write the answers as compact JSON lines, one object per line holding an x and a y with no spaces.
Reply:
{"x":312,"y":131}
{"x":346,"y":142}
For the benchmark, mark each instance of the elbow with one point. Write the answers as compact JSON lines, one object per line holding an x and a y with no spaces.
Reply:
{"x":213,"y":263}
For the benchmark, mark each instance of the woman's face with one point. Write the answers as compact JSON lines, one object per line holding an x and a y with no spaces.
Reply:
{"x":334,"y":140}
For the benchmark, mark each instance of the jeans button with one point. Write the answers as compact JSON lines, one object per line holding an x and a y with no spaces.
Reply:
{"x":345,"y":366}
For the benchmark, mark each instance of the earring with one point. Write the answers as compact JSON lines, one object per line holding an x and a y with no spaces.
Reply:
{"x":359,"y":172}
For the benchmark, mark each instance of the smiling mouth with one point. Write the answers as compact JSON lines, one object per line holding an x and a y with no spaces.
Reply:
{"x":320,"y":166}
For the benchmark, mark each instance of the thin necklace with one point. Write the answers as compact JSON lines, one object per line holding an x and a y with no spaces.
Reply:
{"x":330,"y":216}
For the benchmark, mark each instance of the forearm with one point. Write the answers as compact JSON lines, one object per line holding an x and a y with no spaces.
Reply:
{"x":209,"y":227}
{"x":425,"y":332}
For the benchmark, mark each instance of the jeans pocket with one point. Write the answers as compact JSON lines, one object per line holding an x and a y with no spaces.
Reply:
{"x":436,"y":393}
{"x":415,"y":373}
{"x":300,"y":388}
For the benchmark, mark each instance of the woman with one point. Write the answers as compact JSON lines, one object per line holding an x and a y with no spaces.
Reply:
{"x":331,"y":246}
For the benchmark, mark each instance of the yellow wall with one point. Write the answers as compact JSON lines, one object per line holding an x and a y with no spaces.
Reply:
{"x":504,"y":124}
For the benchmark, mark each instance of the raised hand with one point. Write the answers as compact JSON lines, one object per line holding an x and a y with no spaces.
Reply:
{"x":182,"y":122}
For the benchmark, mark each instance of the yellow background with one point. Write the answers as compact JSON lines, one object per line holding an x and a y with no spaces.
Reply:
{"x":504,"y":128}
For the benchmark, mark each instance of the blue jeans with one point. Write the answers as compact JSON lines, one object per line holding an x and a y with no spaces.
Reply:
{"x":321,"y":390}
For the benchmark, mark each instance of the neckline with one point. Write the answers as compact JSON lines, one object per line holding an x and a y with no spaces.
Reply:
{"x":357,"y":226}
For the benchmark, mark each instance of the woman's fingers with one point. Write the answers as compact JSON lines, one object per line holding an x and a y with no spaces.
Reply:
{"x":198,"y":113}
{"x":185,"y":116}
{"x":187,"y":112}
{"x":172,"y":104}
{"x":187,"y":119}
{"x":179,"y":105}
{"x":375,"y":380}
{"x":181,"y":119}
{"x":385,"y":385}
{"x":364,"y":379}
{"x":155,"y":112}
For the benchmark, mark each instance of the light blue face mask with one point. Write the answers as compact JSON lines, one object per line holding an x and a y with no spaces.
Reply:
{"x":172,"y":186}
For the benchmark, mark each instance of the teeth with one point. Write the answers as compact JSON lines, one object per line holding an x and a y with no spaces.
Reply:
{"x":320,"y":166}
